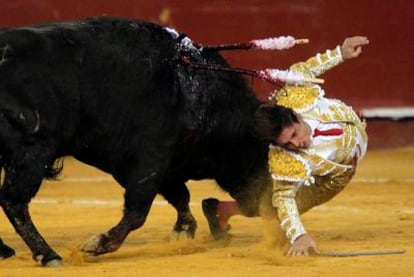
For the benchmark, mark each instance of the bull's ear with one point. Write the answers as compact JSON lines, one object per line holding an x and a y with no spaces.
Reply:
{"x":24,"y":119}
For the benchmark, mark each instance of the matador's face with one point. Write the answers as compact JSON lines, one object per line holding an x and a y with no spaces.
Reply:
{"x":296,"y":136}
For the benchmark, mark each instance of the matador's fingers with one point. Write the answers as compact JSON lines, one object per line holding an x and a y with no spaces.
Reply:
{"x":352,"y":47}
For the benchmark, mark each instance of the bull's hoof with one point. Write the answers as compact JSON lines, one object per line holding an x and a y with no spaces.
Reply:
{"x":5,"y":251}
{"x":177,"y":235}
{"x":54,"y":263}
{"x":51,"y":260}
{"x":92,"y":245}
{"x":98,"y":245}
{"x":210,"y":212}
{"x":184,"y":230}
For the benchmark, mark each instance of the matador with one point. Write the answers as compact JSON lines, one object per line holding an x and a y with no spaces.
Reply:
{"x":313,"y":160}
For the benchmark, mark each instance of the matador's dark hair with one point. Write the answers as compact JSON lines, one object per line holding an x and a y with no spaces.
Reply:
{"x":271,"y":119}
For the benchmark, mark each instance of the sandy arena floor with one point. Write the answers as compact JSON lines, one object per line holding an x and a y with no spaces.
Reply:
{"x":376,"y":212}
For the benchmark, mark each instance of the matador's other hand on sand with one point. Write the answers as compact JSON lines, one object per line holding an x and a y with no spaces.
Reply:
{"x":305,"y":245}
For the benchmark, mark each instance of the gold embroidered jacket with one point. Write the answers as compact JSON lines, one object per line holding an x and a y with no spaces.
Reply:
{"x":304,"y":179}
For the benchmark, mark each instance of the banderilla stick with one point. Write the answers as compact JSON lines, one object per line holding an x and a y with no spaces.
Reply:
{"x":276,"y":43}
{"x":361,"y":253}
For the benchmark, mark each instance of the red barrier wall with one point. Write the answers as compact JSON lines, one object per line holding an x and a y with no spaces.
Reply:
{"x":382,"y":76}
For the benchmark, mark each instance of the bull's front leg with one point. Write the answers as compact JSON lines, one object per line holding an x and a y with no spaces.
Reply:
{"x":113,"y":239}
{"x":138,"y":200}
{"x":177,"y":194}
{"x":141,"y":176}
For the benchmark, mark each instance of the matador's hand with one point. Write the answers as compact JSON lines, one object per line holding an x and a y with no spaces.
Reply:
{"x":305,"y":245}
{"x":352,"y":47}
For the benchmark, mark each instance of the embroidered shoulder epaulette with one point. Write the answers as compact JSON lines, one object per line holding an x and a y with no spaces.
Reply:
{"x":299,"y":98}
{"x":285,"y":165}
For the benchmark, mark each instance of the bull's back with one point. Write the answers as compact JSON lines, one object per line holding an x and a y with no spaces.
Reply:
{"x":93,"y":53}
{"x":95,"y":77}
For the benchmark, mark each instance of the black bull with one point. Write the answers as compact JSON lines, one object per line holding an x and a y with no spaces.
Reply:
{"x":114,"y":94}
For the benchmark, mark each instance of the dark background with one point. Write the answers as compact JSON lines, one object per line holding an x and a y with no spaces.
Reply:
{"x":381,"y":77}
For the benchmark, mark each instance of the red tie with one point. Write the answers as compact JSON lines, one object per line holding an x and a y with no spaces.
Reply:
{"x":329,"y":132}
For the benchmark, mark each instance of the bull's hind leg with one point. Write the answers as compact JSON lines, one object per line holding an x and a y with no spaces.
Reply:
{"x":21,"y":183}
{"x":178,"y":196}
